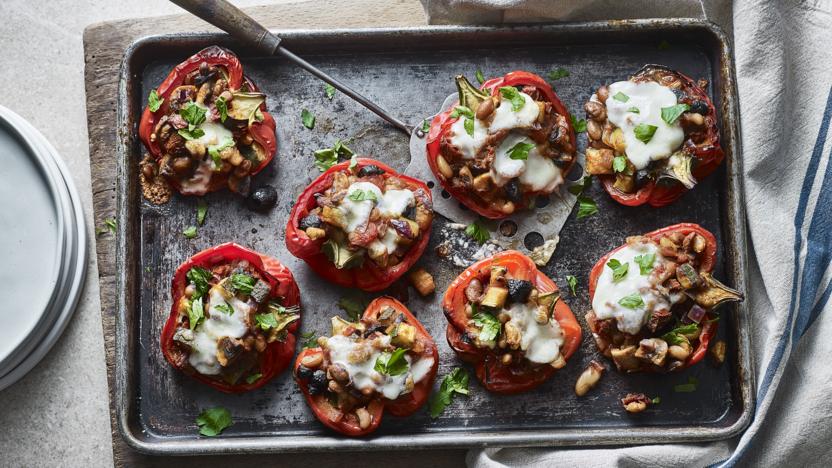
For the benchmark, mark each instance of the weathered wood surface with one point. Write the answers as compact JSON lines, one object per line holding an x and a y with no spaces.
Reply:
{"x":104,"y":46}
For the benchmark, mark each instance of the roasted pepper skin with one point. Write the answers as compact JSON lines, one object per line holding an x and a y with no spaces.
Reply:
{"x":262,"y":132}
{"x":441,"y":125}
{"x":368,"y":277}
{"x":708,"y":261}
{"x":492,"y":373}
{"x":403,"y":406}
{"x":278,"y":354}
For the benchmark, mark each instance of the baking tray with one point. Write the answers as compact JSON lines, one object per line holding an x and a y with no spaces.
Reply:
{"x":409,"y":71}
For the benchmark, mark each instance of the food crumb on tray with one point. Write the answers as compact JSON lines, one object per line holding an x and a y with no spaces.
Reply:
{"x":462,"y":250}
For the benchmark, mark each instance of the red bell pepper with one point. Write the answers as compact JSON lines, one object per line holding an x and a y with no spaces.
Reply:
{"x":278,"y":354}
{"x":708,"y":260}
{"x":263,"y":132}
{"x":403,"y":406}
{"x":708,"y":154}
{"x":494,"y":375}
{"x":369,"y":277}
{"x":441,"y":124}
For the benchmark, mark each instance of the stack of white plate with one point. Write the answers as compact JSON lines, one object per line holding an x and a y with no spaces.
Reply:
{"x":43,"y":247}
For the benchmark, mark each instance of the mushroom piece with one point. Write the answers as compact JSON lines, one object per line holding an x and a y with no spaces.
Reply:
{"x":228,"y":350}
{"x":589,"y":378}
{"x":625,"y":358}
{"x":653,"y":350}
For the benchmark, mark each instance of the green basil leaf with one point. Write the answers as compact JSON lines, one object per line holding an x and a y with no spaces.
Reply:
{"x":196,"y":313}
{"x":517,"y":100}
{"x":189,"y":232}
{"x":225,"y":308}
{"x":555,"y":75}
{"x":199,"y":277}
{"x":201,"y":211}
{"x":645,"y":263}
{"x":191,"y":134}
{"x":578,"y":125}
{"x":579,"y":187}
{"x":329,"y":90}
{"x":193,"y":114}
{"x":266,"y":321}
{"x":154,"y":102}
{"x":634,"y":110}
{"x":621,"y":97}
{"x":478,"y":232}
{"x":619,"y":163}
{"x":619,"y":270}
{"x":632,"y":301}
{"x":520,"y":151}
{"x":480,"y":77}
{"x":391,"y":364}
{"x":222,"y":108}
{"x":242,"y":283}
{"x":573,"y":283}
{"x":463,"y":111}
{"x":468,"y":124}
{"x":645,"y":132}
{"x":309,"y":340}
{"x":455,"y":382}
{"x":362,"y":195}
{"x":111,"y":225}
{"x":426,"y":126}
{"x":671,"y":114}
{"x":308,"y":119}
{"x":586,"y":206}
{"x":253,"y":378}
{"x":213,"y":421}
{"x":489,"y":325}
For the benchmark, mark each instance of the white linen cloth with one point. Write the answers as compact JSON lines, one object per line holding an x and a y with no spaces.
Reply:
{"x":783,"y":58}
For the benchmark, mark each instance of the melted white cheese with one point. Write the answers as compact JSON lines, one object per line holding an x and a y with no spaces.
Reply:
{"x":535,"y":173}
{"x":203,"y":356}
{"x":648,"y":98}
{"x":505,"y":118}
{"x":362,"y":374}
{"x":468,"y":145}
{"x":608,"y":293}
{"x":540,"y":342}
{"x":215,"y":133}
{"x":391,"y":204}
{"x":395,"y":202}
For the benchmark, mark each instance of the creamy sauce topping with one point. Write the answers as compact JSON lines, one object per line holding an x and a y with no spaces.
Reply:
{"x":203,"y":356}
{"x":535,"y":172}
{"x":364,"y":376}
{"x":540,"y":342}
{"x":648,"y":98}
{"x":392,"y":204}
{"x":608,"y":293}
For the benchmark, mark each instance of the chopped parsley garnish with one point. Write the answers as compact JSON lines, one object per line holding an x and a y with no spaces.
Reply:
{"x":242,"y":283}
{"x":619,"y":163}
{"x":426,"y":125}
{"x":478,"y":232}
{"x":632,"y":301}
{"x":621,"y":97}
{"x":328,"y":157}
{"x":308,"y":119}
{"x":222,"y":108}
{"x":634,"y":110}
{"x":645,"y":263}
{"x":578,"y":125}
{"x":586,"y":206}
{"x":391,"y":363}
{"x":194,"y":115}
{"x":362,"y":195}
{"x":645,"y":132}
{"x":511,"y":93}
{"x":266,"y":321}
{"x":191,"y":134}
{"x":579,"y":187}
{"x":353,"y":307}
{"x":329,"y":90}
{"x":688,"y":387}
{"x":213,"y":421}
{"x":196,"y":313}
{"x":199,"y":277}
{"x":189,"y":232}
{"x":154,"y":102}
{"x":520,"y":151}
{"x":462,"y":110}
{"x":480,"y":77}
{"x":215,"y":151}
{"x":489,"y":325}
{"x":468,"y":124}
{"x":555,"y":75}
{"x":111,"y":225}
{"x":619,"y":270}
{"x":225,"y":308}
{"x":309,"y":340}
{"x":573,"y":283}
{"x":671,"y":114}
{"x":678,"y":334}
{"x":455,"y":382}
{"x":253,"y":378}
{"x":201,"y":211}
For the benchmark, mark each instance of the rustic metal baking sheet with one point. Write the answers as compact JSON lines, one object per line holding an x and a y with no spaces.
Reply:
{"x":409,"y":72}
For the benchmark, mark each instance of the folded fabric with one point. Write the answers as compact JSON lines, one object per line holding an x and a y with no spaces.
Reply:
{"x":783,"y":61}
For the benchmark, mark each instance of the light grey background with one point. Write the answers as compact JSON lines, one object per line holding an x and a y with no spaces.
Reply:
{"x":58,"y":414}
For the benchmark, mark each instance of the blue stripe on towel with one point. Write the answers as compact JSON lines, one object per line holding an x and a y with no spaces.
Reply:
{"x":808,"y":183}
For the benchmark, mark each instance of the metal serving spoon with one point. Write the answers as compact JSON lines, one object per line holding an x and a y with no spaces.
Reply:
{"x":523,"y":230}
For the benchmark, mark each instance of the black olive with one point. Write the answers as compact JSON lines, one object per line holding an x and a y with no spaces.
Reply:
{"x":519,"y":290}
{"x":700,"y":107}
{"x":642,"y":177}
{"x":370,"y":170}
{"x":373,"y":329}
{"x":563,"y":160}
{"x":512,"y":189}
{"x":318,"y":383}
{"x":310,"y":220}
{"x":410,"y":212}
{"x":263,"y":198}
{"x":304,"y":373}
{"x":554,"y":136}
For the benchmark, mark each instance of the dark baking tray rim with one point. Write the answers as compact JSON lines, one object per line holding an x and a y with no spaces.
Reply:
{"x":734,"y":226}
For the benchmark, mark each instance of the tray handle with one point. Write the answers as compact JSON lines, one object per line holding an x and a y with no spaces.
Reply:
{"x":232,"y":20}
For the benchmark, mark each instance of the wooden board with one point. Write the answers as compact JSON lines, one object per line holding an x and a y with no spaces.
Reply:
{"x":104,"y":46}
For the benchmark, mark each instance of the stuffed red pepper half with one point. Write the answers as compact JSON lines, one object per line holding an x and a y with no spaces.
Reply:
{"x":233,"y":320}
{"x":502,"y":145}
{"x":652,"y":299}
{"x":507,"y":318}
{"x":386,"y":361}
{"x":361,"y":224}
{"x":652,"y":137}
{"x":206,"y":126}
